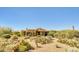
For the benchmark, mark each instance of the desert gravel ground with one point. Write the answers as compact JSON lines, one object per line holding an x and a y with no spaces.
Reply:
{"x":55,"y":47}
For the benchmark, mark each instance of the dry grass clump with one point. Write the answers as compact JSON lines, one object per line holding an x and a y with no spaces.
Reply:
{"x":70,"y":42}
{"x":14,"y":44}
{"x":70,"y":34}
{"x":24,"y":46}
{"x":11,"y":48}
{"x":42,"y":39}
{"x":3,"y":43}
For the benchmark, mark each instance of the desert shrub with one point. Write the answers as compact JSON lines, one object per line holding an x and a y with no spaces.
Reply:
{"x":23,"y":33}
{"x":70,"y":34}
{"x":70,"y":42}
{"x":43,"y":40}
{"x":17,"y":33}
{"x":5,"y":30}
{"x":51,"y":33}
{"x":56,"y":35}
{"x":76,"y":34}
{"x":14,"y":44}
{"x":20,"y":46}
{"x":11,"y":48}
{"x":3,"y":44}
{"x":6,"y":36}
{"x":13,"y":40}
{"x":59,"y":35}
{"x":14,"y":37}
{"x":24,"y":46}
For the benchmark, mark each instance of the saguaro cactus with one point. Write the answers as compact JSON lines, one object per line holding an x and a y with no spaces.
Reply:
{"x":73,"y":27}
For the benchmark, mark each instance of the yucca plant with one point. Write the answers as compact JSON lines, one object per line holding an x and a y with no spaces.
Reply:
{"x":5,"y":31}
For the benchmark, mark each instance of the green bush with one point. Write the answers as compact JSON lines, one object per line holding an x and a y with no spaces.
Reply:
{"x":6,"y":36}
{"x":14,"y":45}
{"x":23,"y":33}
{"x":5,"y":30}
{"x":17,"y":33}
{"x":51,"y":33}
{"x":70,"y":34}
{"x":24,"y":46}
{"x":20,"y":46}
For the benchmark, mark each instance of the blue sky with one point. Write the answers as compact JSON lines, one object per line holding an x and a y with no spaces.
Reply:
{"x":49,"y":18}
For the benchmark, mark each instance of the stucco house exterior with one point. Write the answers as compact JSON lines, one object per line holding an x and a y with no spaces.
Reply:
{"x":35,"y":32}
